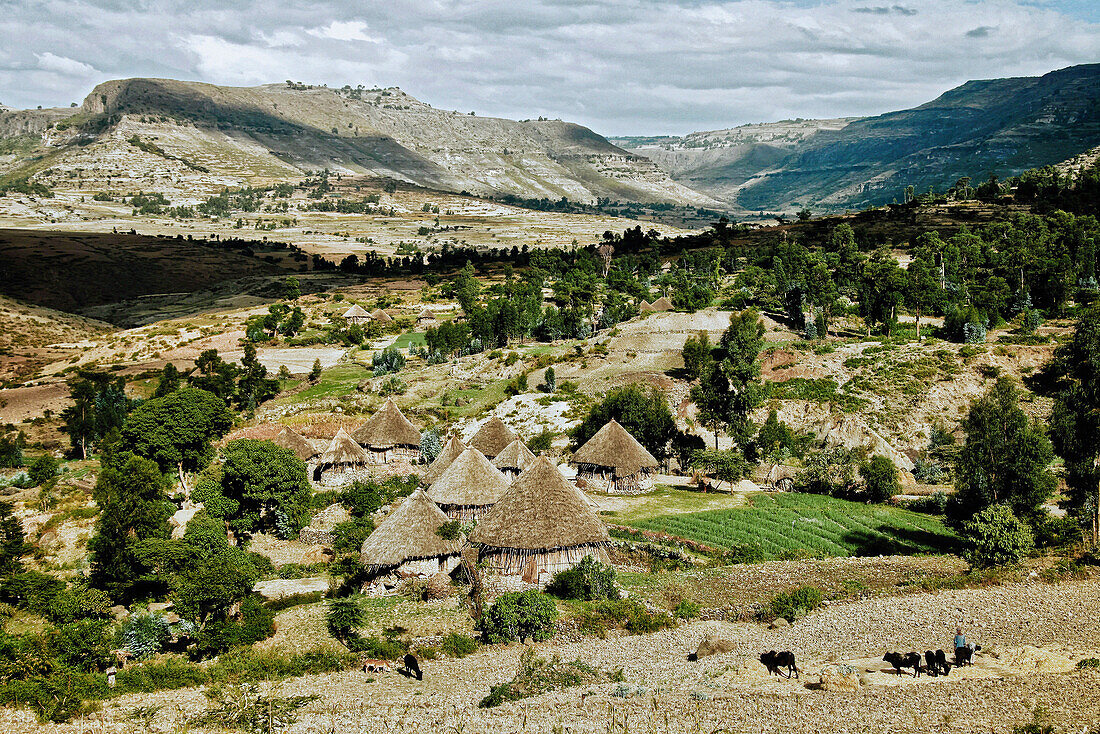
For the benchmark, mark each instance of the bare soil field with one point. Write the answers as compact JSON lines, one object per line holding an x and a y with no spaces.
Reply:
{"x":1032,"y":635}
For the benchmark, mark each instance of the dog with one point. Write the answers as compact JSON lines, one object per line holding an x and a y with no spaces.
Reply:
{"x":904,"y":660}
{"x":773,"y":661}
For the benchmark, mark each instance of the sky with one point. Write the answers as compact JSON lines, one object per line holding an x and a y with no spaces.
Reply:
{"x":621,"y":67}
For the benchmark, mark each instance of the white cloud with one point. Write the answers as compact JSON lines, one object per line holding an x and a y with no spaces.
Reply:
{"x":63,"y":65}
{"x":352,"y":30}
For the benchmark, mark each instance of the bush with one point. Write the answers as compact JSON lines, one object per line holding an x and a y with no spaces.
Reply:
{"x":536,"y":676}
{"x":388,"y":361}
{"x":31,"y":590}
{"x":254,"y":623}
{"x":1088,"y":664}
{"x":996,"y":537}
{"x":624,"y":614}
{"x":43,"y":469}
{"x":880,"y":477}
{"x":686,"y":610}
{"x":382,"y":648}
{"x":589,"y":580}
{"x":796,"y":603}
{"x":519,"y":616}
{"x":245,"y":709}
{"x":144,"y":635}
{"x":344,"y":617}
{"x":457,"y":645}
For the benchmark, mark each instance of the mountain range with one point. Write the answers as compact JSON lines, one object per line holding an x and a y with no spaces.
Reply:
{"x":193,"y":136}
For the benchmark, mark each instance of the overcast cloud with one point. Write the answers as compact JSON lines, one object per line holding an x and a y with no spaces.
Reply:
{"x":618,"y":66}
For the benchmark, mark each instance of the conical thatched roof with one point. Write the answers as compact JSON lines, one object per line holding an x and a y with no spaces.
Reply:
{"x":470,"y":481}
{"x":614,"y":447}
{"x":645,"y":306}
{"x":450,"y":452}
{"x":515,"y":455}
{"x":426,"y":314}
{"x":344,"y":450}
{"x":387,"y":427}
{"x":493,"y":437}
{"x":290,"y":440}
{"x":356,"y":312}
{"x":662,"y":304}
{"x":381,"y":316}
{"x":408,"y":534}
{"x":540,"y":511}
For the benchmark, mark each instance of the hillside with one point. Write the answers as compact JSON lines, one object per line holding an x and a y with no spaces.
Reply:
{"x":204,"y":137}
{"x":999,"y":126}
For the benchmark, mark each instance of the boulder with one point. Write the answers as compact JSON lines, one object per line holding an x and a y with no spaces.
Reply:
{"x":712,"y":644}
{"x":840,"y":678}
{"x":778,"y":623}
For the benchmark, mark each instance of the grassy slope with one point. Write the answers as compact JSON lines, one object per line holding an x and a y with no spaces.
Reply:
{"x":825,"y":526}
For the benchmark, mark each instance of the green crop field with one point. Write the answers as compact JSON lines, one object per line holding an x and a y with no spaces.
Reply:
{"x":783,"y":523}
{"x":410,"y":339}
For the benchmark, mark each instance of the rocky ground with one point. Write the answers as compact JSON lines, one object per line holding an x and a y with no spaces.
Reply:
{"x":1032,"y":635}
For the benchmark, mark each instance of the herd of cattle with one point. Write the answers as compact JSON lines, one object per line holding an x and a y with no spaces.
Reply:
{"x":933,"y":663}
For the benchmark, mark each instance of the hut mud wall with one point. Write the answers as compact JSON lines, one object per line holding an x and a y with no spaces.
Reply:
{"x":603,"y":479}
{"x":538,"y":567}
{"x":390,"y":454}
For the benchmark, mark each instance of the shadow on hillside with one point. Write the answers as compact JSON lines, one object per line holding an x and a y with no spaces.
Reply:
{"x":898,"y":541}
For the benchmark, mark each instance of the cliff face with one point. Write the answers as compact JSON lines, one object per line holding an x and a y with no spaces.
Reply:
{"x":1001,"y":126}
{"x":384,"y":132}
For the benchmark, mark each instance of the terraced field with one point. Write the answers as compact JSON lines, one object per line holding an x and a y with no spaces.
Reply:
{"x":785,"y":524}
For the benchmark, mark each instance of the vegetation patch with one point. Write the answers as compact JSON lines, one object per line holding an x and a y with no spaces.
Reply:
{"x":537,"y":676}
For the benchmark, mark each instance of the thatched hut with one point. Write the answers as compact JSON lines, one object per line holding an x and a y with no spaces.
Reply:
{"x":295,"y":443}
{"x":468,"y":487}
{"x":357,"y":315}
{"x":614,"y":461}
{"x":514,"y":459}
{"x":493,"y":437}
{"x":645,"y":307}
{"x":540,"y":526}
{"x":450,"y":452}
{"x":661,"y":304}
{"x":381,"y":316}
{"x":389,"y":436}
{"x":342,"y":455}
{"x":406,"y":542}
{"x":425,"y":317}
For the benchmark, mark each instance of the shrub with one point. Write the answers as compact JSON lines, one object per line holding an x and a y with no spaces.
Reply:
{"x":294,"y":600}
{"x":144,"y":635}
{"x":254,"y":623}
{"x":1088,"y":664}
{"x":520,"y":615}
{"x":796,"y":603}
{"x":450,"y":530}
{"x":430,"y":445}
{"x":880,"y":477}
{"x":686,"y":610}
{"x":388,"y":361}
{"x":245,"y":709}
{"x":383,"y":648}
{"x":589,"y":580}
{"x":537,"y":675}
{"x":457,"y":645}
{"x":31,"y":590}
{"x":624,"y":614}
{"x":43,"y":469}
{"x":344,"y":617}
{"x":996,"y":537}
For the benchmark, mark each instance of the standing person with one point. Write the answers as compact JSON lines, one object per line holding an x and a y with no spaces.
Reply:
{"x":960,"y":638}
{"x":111,"y":676}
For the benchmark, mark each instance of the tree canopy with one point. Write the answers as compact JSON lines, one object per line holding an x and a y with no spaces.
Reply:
{"x":176,"y":430}
{"x":646,"y":416}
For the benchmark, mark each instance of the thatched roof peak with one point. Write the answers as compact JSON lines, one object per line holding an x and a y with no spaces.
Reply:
{"x":614,"y":447}
{"x":515,"y":455}
{"x":381,"y":316}
{"x":470,"y":481}
{"x":408,"y":534}
{"x":387,"y":427}
{"x":292,"y":441}
{"x":661,"y":304}
{"x":344,"y":450}
{"x":356,"y":312}
{"x":450,"y":452}
{"x":493,"y":437}
{"x":540,"y":511}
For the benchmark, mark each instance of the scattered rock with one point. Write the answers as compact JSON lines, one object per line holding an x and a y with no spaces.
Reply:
{"x":778,"y":623}
{"x":841,"y":678}
{"x":282,"y":588}
{"x":712,"y":644}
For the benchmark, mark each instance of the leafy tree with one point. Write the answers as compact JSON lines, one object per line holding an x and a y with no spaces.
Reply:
{"x":131,"y":494}
{"x":519,"y":616}
{"x":169,"y":381}
{"x":344,"y":616}
{"x":1005,"y":459}
{"x":43,"y":469}
{"x":829,"y":472}
{"x":882,"y":291}
{"x":263,"y":486}
{"x":589,"y":580}
{"x":697,"y":355}
{"x":922,"y":290}
{"x":725,"y":466}
{"x":880,"y":477}
{"x":315,"y":373}
{"x":13,"y":545}
{"x":11,"y":451}
{"x":254,"y":386}
{"x":291,"y":288}
{"x":549,"y":381}
{"x":731,"y":388}
{"x":176,"y":430}
{"x":1074,"y":373}
{"x":645,"y":416}
{"x":466,"y":288}
{"x":215,"y":375}
{"x":996,"y":537}
{"x":430,"y":445}
{"x":99,"y":404}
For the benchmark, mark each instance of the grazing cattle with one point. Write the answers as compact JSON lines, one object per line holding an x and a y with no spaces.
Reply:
{"x":965,"y":655}
{"x":412,"y":667}
{"x":907,"y":660}
{"x":941,"y":662}
{"x":370,"y":665}
{"x":773,"y":661}
{"x":931,"y":666}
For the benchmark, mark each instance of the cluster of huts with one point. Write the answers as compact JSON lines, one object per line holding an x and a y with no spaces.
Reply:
{"x":357,"y":315}
{"x":528,"y":520}
{"x":660,"y":305}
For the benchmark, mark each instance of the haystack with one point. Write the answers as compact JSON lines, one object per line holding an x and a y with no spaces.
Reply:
{"x":513,"y":459}
{"x":450,"y":452}
{"x":389,"y":435}
{"x":468,"y":487}
{"x":493,"y":437}
{"x":381,"y":316}
{"x":406,"y":542}
{"x":540,"y":526}
{"x":614,"y":461}
{"x":342,"y":454}
{"x":292,"y":441}
{"x":357,"y":315}
{"x":661,"y":304}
